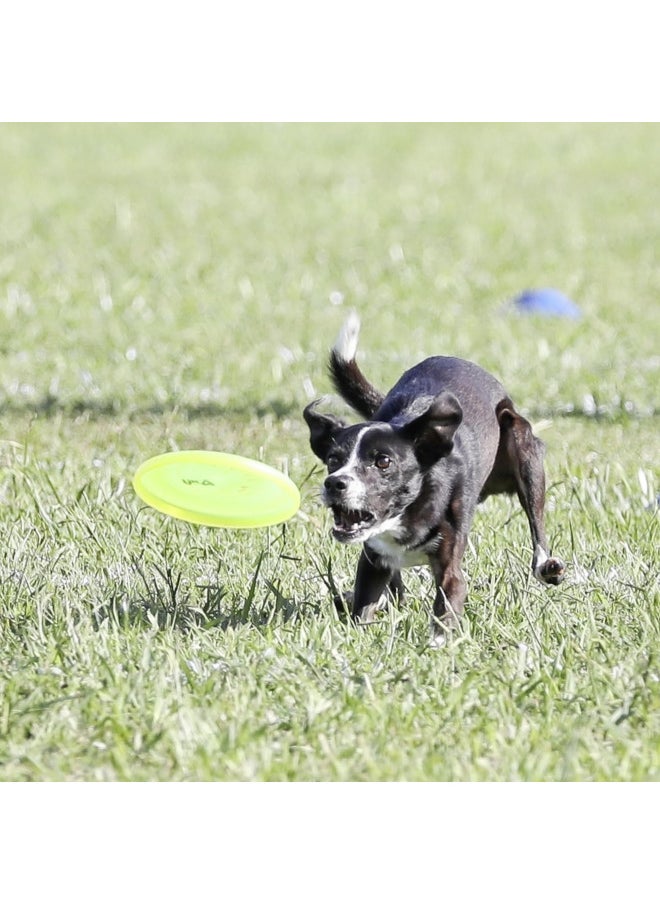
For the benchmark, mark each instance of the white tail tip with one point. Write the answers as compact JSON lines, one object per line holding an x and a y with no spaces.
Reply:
{"x":347,"y":341}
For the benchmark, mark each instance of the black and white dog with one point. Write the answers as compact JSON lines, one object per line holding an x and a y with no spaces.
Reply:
{"x":406,"y":482}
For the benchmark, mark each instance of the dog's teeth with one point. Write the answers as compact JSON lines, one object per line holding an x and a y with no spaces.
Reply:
{"x":348,"y":519}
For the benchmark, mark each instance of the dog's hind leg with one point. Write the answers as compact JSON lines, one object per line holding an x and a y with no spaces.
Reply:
{"x":520,"y":462}
{"x":450,"y":583}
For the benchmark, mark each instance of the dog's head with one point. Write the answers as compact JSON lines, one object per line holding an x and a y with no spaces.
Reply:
{"x":376,"y":469}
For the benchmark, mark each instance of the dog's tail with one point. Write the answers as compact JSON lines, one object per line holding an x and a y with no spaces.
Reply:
{"x":348,"y":379}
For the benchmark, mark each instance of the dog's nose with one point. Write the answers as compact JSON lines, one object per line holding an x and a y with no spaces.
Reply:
{"x":336,"y":483}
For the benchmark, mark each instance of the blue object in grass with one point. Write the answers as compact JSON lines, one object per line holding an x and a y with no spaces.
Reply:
{"x":548,"y":302}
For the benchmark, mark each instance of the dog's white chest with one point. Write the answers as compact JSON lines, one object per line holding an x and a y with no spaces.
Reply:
{"x":388,"y":547}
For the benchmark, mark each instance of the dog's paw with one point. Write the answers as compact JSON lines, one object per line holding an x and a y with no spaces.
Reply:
{"x":344,"y":603}
{"x":443,"y":629}
{"x":369,"y":614}
{"x":438,"y":639}
{"x":551,"y":571}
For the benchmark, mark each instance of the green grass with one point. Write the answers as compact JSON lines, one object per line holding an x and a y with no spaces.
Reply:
{"x":167,"y":287}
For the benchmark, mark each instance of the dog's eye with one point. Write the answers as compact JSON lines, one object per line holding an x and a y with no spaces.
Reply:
{"x":332,"y":462}
{"x":382,"y":462}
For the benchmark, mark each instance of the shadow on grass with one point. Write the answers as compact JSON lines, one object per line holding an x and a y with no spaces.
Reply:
{"x":166,"y":604}
{"x":279,"y":408}
{"x":100,"y":409}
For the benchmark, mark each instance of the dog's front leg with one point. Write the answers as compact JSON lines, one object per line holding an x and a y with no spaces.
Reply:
{"x":371,"y":581}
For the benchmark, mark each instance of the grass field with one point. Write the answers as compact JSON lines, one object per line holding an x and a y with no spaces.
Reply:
{"x":166,"y":287}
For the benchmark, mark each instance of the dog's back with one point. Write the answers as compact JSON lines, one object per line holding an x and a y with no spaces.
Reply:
{"x":478,"y":392}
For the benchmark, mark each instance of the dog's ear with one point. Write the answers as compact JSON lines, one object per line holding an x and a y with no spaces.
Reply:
{"x":432,"y":433}
{"x":322,"y":429}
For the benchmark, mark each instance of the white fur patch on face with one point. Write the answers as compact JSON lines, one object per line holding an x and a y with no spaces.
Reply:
{"x":347,"y":341}
{"x":354,"y":495}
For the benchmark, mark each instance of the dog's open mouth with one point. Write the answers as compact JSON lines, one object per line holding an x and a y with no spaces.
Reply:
{"x":349,"y":523}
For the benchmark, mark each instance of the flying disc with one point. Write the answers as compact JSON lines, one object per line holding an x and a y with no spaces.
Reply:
{"x":548,"y":302}
{"x":216,"y":489}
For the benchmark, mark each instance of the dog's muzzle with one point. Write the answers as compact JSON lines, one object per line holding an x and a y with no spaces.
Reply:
{"x":351,"y":521}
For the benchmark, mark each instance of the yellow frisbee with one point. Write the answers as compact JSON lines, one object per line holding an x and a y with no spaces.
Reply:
{"x":216,"y":489}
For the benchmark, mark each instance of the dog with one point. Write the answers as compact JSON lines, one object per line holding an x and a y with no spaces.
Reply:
{"x":406,"y":482}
